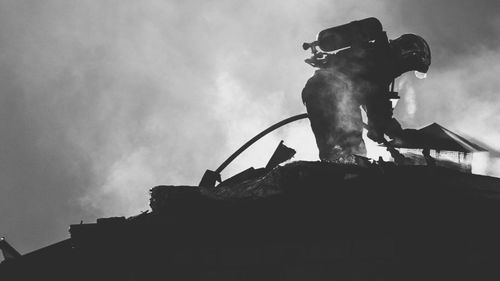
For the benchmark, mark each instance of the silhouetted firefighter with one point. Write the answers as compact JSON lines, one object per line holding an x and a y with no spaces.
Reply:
{"x":358,"y":72}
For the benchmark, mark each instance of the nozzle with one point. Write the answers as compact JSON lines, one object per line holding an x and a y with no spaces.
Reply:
{"x":312,"y":46}
{"x":210,"y":178}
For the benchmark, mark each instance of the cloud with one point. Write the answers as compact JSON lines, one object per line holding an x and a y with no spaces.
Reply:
{"x":452,"y":28}
{"x":463,"y":96}
{"x":101,"y":100}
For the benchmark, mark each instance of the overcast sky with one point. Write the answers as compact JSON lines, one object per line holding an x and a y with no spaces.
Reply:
{"x":102,"y":100}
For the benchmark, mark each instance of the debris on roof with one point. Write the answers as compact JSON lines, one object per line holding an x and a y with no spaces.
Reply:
{"x":436,"y":137}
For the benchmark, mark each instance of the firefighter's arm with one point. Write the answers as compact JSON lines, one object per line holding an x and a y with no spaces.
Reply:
{"x":380,"y":120}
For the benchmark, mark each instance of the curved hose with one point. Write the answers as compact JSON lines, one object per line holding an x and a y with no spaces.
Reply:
{"x":257,"y":137}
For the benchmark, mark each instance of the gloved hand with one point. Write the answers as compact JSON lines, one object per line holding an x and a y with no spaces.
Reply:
{"x":376,"y":136}
{"x":394,"y":129}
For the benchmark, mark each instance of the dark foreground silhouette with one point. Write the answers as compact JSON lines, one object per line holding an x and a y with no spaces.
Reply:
{"x":302,"y":221}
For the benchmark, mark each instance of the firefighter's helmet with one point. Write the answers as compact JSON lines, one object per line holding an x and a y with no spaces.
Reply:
{"x":412,"y":53}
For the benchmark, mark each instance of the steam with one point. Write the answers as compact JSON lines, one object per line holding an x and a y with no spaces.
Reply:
{"x":462,"y":96}
{"x":101,"y":100}
{"x":407,"y":93}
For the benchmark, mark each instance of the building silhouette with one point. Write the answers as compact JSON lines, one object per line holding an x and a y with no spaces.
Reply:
{"x":300,"y":221}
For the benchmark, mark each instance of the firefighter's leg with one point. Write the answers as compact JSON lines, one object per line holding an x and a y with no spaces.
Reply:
{"x":351,"y":137}
{"x":348,"y":128}
{"x":335,"y":118}
{"x":320,"y":100}
{"x":320,"y":119}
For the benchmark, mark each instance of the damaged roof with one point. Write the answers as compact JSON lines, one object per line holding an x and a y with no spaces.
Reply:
{"x":435,"y":137}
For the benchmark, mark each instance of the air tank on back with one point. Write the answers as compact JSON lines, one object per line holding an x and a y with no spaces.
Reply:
{"x":345,"y":35}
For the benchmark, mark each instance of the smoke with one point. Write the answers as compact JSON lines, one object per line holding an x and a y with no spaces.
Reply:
{"x":464,"y":97}
{"x":461,"y":90}
{"x":408,"y":94}
{"x":101,"y":100}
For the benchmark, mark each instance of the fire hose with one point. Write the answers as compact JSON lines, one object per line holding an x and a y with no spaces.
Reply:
{"x":211,"y":177}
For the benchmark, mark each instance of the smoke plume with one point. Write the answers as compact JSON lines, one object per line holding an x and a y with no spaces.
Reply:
{"x":101,"y":100}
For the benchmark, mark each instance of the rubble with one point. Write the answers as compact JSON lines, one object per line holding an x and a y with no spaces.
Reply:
{"x":331,"y":221}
